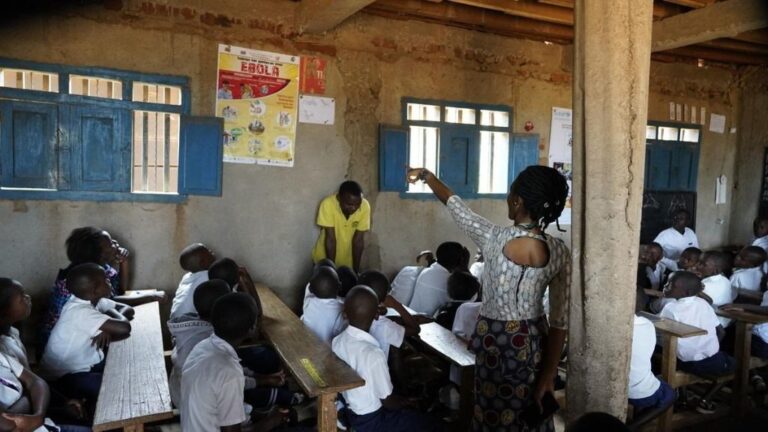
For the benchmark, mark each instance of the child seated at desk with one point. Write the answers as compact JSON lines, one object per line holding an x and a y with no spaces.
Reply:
{"x":699,"y":355}
{"x":759,"y":331}
{"x":717,"y":287}
{"x":372,"y":407}
{"x":689,"y":259}
{"x":74,"y":356}
{"x":405,"y":281}
{"x":322,"y":311}
{"x":749,"y":270}
{"x":348,"y":279}
{"x":195,"y":259}
{"x":237,"y":277}
{"x":462,"y":287}
{"x":213,"y":381}
{"x":387,"y":332}
{"x":431,"y":289}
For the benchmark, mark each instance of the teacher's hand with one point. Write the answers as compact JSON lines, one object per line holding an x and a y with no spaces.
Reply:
{"x":544,"y":385}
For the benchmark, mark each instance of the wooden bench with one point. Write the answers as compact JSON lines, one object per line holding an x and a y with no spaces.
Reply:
{"x":134,"y":389}
{"x":317,"y":370}
{"x":452,"y":348}
{"x":744,"y":321}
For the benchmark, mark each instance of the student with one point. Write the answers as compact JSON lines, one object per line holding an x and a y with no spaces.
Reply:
{"x":759,"y":331}
{"x":343,"y":218}
{"x":322,"y":313}
{"x":717,"y":288}
{"x":699,"y":355}
{"x":325,"y":262}
{"x":74,"y":356}
{"x":237,"y":277}
{"x":760,"y":230}
{"x":649,"y":396}
{"x":189,"y":329}
{"x":749,"y":270}
{"x":91,"y":245}
{"x":384,"y":330}
{"x":652,"y":267}
{"x":462,"y":287}
{"x":372,"y":407}
{"x":676,"y":238}
{"x":195,"y":260}
{"x":425,"y":258}
{"x":213,"y":381}
{"x":689,"y":259}
{"x":348,"y":279}
{"x":404,"y":283}
{"x":478,"y":266}
{"x":431,"y":289}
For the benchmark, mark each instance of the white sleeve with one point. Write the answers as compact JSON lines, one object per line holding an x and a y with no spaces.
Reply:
{"x":377,"y":375}
{"x":230,"y":401}
{"x":14,"y":366}
{"x":395,"y":333}
{"x":90,"y":320}
{"x":105,"y":305}
{"x":667,"y":312}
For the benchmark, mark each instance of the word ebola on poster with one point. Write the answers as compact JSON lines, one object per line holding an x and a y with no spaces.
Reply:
{"x":257,"y":95}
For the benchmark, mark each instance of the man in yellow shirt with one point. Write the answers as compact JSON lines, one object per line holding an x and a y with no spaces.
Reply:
{"x":343,"y":218}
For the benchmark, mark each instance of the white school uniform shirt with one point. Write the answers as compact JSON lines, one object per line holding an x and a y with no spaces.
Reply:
{"x":11,"y":388}
{"x":69,"y":348}
{"x":212,"y":385}
{"x":464,"y":326}
{"x":697,"y":312}
{"x":186,"y":332}
{"x":642,"y":381}
{"x":761,"y":330}
{"x":747,"y":279}
{"x":763,"y":243}
{"x":431,"y":290}
{"x":476,"y":269}
{"x":387,"y":332}
{"x":675,"y":243}
{"x":324,"y":318}
{"x":718,"y":288}
{"x":404,"y":284}
{"x":12,"y":346}
{"x":655,"y":274}
{"x":184,"y":300}
{"x":362,"y":353}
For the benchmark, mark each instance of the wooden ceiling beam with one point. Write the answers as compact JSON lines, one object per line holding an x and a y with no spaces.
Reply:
{"x":736,"y":46}
{"x":720,"y":56}
{"x":691,"y":3}
{"x":317,"y":16}
{"x":660,"y":10}
{"x":754,"y":36}
{"x":537,"y":11}
{"x":724,"y":19}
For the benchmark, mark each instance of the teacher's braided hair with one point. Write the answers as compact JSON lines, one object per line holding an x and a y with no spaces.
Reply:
{"x":544,"y":192}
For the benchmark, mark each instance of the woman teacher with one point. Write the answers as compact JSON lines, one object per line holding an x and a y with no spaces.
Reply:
{"x":516,"y":350}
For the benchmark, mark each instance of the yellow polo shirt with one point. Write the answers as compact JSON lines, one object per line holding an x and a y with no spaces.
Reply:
{"x":331,"y":216}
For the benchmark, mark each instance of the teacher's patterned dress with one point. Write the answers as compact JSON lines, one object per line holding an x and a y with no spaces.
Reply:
{"x":510,"y":332}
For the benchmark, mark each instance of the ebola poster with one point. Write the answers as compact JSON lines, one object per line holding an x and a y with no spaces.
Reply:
{"x":257,"y":94}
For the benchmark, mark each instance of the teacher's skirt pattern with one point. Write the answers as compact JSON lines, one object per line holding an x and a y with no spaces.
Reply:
{"x":508,"y":354}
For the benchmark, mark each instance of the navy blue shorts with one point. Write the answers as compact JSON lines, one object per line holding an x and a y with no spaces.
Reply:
{"x":759,"y":347}
{"x":718,"y":364}
{"x":664,"y":396}
{"x":394,"y":421}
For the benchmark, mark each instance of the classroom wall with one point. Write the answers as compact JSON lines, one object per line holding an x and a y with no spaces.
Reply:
{"x":265,"y":217}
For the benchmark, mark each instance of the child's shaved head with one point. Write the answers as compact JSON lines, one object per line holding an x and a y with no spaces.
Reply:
{"x":348,"y":279}
{"x":326,"y":262}
{"x":684,"y":284}
{"x":83,"y":280}
{"x":196,"y":257}
{"x":206,"y":295}
{"x":713,"y":263}
{"x":361,"y":307}
{"x":325,"y":283}
{"x":377,"y":282}
{"x":750,"y":256}
{"x":225,"y":269}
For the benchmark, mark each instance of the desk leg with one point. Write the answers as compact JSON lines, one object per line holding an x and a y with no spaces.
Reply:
{"x":668,"y":368}
{"x":326,"y":412}
{"x":743,"y":354}
{"x":467,"y":400}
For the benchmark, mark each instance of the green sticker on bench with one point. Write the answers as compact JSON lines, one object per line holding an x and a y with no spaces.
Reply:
{"x":312,"y":371}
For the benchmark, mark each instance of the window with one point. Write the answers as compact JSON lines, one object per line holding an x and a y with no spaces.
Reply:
{"x":91,"y":140}
{"x":470,"y":146}
{"x":672,"y":157}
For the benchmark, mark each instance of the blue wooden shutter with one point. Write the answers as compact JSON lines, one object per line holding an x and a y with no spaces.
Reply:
{"x":660,"y":164}
{"x":200,"y":155}
{"x":684,"y":167}
{"x":97,"y":138}
{"x":459,"y":158}
{"x":393,"y":157}
{"x":523,"y":152}
{"x":28,"y":139}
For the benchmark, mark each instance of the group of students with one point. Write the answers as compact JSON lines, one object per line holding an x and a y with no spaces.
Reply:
{"x":695,"y":284}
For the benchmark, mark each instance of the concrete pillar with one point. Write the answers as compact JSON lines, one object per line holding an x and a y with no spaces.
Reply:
{"x":612,"y":48}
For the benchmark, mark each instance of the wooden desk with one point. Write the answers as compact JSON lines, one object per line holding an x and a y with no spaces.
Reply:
{"x":453,"y":349}
{"x":318,"y":371}
{"x":134,"y":390}
{"x":744,"y":321}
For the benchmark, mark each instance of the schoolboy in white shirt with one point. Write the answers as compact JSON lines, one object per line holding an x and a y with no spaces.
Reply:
{"x":195,"y":259}
{"x":748,"y":274}
{"x":699,"y":355}
{"x":212,"y":381}
{"x":431,"y":290}
{"x":717,"y":287}
{"x":387,"y":332}
{"x":676,"y":238}
{"x":372,"y":407}
{"x":404,"y":283}
{"x":323,"y":310}
{"x":74,"y":356}
{"x":759,"y":331}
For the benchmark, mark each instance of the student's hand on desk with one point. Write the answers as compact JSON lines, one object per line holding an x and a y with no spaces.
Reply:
{"x":24,"y":422}
{"x":101,"y":340}
{"x":160,"y":296}
{"x":732,"y":307}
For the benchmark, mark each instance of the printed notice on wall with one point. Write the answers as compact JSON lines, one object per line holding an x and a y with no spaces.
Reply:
{"x":257,"y":95}
{"x":561,"y":152}
{"x":717,"y":123}
{"x":317,"y":110}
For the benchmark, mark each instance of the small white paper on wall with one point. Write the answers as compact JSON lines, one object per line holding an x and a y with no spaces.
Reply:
{"x":317,"y":110}
{"x":717,"y":123}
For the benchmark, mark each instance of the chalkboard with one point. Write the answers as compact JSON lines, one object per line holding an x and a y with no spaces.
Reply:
{"x":763,"y":207}
{"x":658,"y":207}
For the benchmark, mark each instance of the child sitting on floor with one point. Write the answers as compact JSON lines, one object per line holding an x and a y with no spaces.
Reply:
{"x":717,"y":288}
{"x":372,"y":407}
{"x":74,"y":356}
{"x":213,"y":381}
{"x":462,"y":287}
{"x":189,"y":329}
{"x":322,"y":312}
{"x":698,"y":355}
{"x":387,"y":332}
{"x":749,"y":271}
{"x":195,"y":260}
